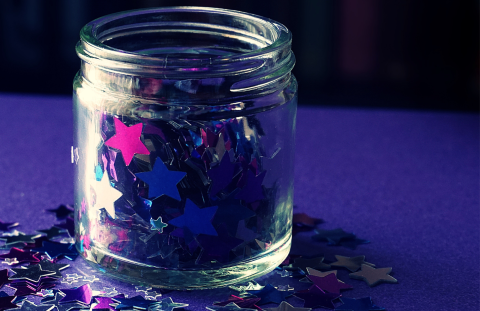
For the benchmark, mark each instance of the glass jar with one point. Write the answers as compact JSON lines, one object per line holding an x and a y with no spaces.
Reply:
{"x":184,"y":144}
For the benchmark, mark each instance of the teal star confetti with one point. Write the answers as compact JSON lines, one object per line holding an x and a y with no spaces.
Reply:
{"x":158,"y":224}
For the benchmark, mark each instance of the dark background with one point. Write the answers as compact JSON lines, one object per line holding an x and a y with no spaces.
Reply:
{"x":381,"y":53}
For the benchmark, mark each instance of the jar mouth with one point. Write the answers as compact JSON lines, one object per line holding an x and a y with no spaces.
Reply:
{"x":187,"y":42}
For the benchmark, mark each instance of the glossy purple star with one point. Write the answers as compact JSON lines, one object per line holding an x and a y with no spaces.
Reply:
{"x":104,"y":303}
{"x":82,"y":294}
{"x":270,"y":294}
{"x":253,"y":190}
{"x":315,"y":297}
{"x":329,"y":283}
{"x":249,"y":303}
{"x":197,"y":220}
{"x":221,"y":175}
{"x":161,"y":180}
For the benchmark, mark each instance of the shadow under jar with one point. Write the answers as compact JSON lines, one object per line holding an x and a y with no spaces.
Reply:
{"x":184,"y":126}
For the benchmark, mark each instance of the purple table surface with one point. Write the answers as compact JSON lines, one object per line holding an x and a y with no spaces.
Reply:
{"x":408,"y":181}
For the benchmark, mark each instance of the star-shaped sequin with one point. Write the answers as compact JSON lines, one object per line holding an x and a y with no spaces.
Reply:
{"x":6,"y":302}
{"x":359,"y":304}
{"x":317,"y":262}
{"x":157,"y":224}
{"x":6,"y":226}
{"x":241,"y":302}
{"x":62,"y":212}
{"x":62,"y":306}
{"x":270,"y":294}
{"x":161,"y":180}
{"x":4,"y":277}
{"x":230,"y":307}
{"x":127,"y":140}
{"x":350,"y":263}
{"x":137,"y":302}
{"x":285,"y":306}
{"x":104,"y":303}
{"x":329,"y":283}
{"x":106,"y":195}
{"x":46,"y":264}
{"x":20,"y":238}
{"x":54,"y":250}
{"x":30,"y":306}
{"x":333,"y":237}
{"x":197,"y":220}
{"x":373,"y":276}
{"x":315,"y":297}
{"x":166,"y":304}
{"x":53,"y":232}
{"x":21,"y":255}
{"x":31,"y":273}
{"x":81,"y":294}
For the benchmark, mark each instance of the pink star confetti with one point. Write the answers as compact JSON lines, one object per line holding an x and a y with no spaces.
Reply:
{"x":127,"y":139}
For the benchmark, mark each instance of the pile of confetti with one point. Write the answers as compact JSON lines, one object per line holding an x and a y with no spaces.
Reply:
{"x":39,"y":280}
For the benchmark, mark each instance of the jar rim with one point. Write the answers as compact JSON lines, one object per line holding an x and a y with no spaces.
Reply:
{"x":93,"y":49}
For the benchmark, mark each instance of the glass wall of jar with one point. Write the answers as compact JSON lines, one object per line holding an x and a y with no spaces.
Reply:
{"x":184,"y":145}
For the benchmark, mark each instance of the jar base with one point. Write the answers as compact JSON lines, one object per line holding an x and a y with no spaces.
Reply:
{"x":177,"y":279}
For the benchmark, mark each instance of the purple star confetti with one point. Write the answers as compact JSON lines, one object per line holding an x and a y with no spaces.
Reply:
{"x":315,"y":297}
{"x":270,"y":294}
{"x":329,"y":283}
{"x":82,"y":294}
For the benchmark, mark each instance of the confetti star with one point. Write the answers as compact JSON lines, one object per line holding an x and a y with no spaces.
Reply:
{"x":20,"y":238}
{"x":315,"y":297}
{"x":68,"y":225}
{"x":249,"y":303}
{"x":317,"y":262}
{"x":250,"y":286}
{"x":104,"y":303}
{"x":285,"y":306}
{"x":55,"y":267}
{"x":161,"y":180}
{"x":53,"y":232}
{"x":230,"y":307}
{"x":6,"y":302}
{"x":302,"y":219}
{"x":21,"y":255}
{"x":360,"y":304}
{"x":350,"y":263}
{"x":127,"y":140}
{"x":373,"y":276}
{"x":64,"y":306}
{"x":91,"y":278}
{"x":221,"y":175}
{"x":4,"y":277}
{"x":62,"y":212}
{"x":152,"y":295}
{"x":74,"y":276}
{"x":197,"y":220}
{"x":11,"y":261}
{"x":30,"y":306}
{"x":158,"y":224}
{"x":329,"y":283}
{"x":333,"y":237}
{"x":137,"y":302}
{"x":54,"y":250}
{"x":81,"y":294}
{"x":106,"y":195}
{"x":270,"y":294}
{"x":142,"y":288}
{"x":253,"y":190}
{"x":32,"y":273}
{"x":166,"y":304}
{"x":6,"y":226}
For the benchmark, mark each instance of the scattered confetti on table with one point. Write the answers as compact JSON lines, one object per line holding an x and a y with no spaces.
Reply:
{"x":40,"y":268}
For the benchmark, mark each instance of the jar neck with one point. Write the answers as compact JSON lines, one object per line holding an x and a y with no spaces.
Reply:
{"x":181,"y":54}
